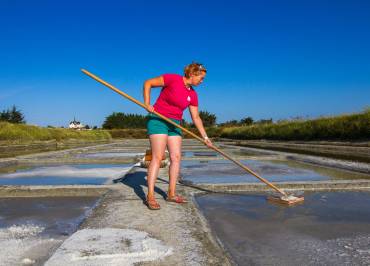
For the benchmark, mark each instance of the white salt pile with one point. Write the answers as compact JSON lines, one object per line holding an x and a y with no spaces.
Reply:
{"x":108,"y":246}
{"x":21,"y":244}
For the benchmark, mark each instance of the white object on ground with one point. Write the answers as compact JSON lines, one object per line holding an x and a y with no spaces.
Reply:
{"x":28,"y":261}
{"x":21,"y":244}
{"x":289,"y":197}
{"x":108,"y":246}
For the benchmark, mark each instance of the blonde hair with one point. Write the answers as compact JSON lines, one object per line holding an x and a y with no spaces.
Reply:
{"x":194,"y":69}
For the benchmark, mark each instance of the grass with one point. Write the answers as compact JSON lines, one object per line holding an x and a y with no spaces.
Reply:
{"x":21,"y":133}
{"x":344,"y":127}
{"x":133,"y":133}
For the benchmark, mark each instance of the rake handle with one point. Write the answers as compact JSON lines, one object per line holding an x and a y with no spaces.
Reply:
{"x":185,"y":130}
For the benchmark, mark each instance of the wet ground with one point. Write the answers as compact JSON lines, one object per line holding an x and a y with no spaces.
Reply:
{"x":204,"y":154}
{"x":221,"y":171}
{"x":117,"y":232}
{"x":31,"y":229}
{"x":330,"y":228}
{"x":82,"y":174}
{"x":109,"y":154}
{"x":190,"y":154}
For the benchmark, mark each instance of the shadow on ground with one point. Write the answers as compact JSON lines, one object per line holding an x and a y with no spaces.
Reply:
{"x":137,"y":182}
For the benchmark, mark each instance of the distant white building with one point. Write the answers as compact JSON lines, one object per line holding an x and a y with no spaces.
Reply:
{"x":76,"y":125}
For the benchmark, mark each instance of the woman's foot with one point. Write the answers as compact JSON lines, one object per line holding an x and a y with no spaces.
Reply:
{"x":152,"y":203}
{"x":176,"y":199}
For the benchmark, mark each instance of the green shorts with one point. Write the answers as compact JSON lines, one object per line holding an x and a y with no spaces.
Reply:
{"x":156,"y":125}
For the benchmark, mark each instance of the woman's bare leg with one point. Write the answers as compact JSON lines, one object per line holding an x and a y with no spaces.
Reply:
{"x":158,"y":144}
{"x":174,"y":148}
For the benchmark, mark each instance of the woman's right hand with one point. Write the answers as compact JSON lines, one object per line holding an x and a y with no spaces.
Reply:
{"x":149,"y":108}
{"x":208,"y":142}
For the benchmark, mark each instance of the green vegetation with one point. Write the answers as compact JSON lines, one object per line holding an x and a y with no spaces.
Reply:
{"x":243,"y":122}
{"x":208,"y":118}
{"x":118,"y":120}
{"x":133,"y":133}
{"x":120,"y":125}
{"x":19,"y":133}
{"x":344,"y":127}
{"x":122,"y":120}
{"x":12,"y":115}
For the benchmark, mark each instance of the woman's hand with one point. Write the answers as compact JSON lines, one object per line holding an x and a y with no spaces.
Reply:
{"x":208,"y":142}
{"x":149,"y":108}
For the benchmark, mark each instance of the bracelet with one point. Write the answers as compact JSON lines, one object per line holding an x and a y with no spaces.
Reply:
{"x":205,"y":138}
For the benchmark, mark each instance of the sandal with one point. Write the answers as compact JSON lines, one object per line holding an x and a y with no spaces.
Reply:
{"x":152,"y":204}
{"x":176,"y":199}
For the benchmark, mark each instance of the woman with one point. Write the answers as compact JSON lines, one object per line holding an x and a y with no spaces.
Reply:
{"x":176,"y":95}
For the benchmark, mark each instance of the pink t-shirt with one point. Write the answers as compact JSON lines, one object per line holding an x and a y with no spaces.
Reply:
{"x":175,"y":97}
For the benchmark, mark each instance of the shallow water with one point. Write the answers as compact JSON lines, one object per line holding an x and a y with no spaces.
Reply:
{"x":32,"y":228}
{"x":87,"y":174}
{"x":57,"y":215}
{"x":110,"y":155}
{"x":222,"y":171}
{"x":189,"y":154}
{"x":211,"y":153}
{"x":329,"y":228}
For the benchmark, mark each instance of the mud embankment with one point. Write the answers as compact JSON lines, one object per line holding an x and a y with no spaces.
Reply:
{"x":10,"y":150}
{"x":357,"y":151}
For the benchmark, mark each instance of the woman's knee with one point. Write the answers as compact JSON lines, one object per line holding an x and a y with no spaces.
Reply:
{"x":175,"y":157}
{"x":157,"y":157}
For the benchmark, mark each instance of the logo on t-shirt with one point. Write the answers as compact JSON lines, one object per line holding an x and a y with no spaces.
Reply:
{"x":188,"y":99}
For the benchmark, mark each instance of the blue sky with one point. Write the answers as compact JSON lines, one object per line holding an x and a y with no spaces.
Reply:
{"x":265,"y":59}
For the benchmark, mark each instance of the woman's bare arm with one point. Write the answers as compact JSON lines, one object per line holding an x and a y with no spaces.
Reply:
{"x":198,"y":123}
{"x":148,"y":84}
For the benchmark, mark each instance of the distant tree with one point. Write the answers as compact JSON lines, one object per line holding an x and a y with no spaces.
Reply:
{"x":122,"y":120}
{"x":243,"y":122}
{"x":298,"y":118}
{"x":95,"y":127}
{"x":12,"y":115}
{"x":230,"y":123}
{"x":247,"y":121}
{"x":208,"y":118}
{"x":264,"y":121}
{"x":87,"y":127}
{"x":184,"y":123}
{"x":5,"y":115}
